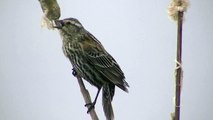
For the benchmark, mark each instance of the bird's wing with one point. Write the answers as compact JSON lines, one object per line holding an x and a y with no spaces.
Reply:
{"x":103,"y":61}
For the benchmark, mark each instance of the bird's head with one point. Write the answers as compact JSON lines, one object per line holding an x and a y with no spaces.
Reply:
{"x":68,"y":24}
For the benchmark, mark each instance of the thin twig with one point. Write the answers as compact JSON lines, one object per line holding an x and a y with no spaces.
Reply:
{"x":87,"y":97}
{"x":51,"y":12}
{"x":178,"y":76}
{"x":176,"y":11}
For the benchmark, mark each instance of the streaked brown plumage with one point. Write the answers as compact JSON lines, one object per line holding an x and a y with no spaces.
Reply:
{"x":92,"y":62}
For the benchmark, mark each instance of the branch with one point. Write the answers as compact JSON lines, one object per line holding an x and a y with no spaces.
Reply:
{"x":87,"y":98}
{"x":178,"y":66}
{"x":176,"y":12}
{"x":51,"y":12}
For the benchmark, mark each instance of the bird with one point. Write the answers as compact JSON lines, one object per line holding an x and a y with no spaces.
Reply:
{"x":91,"y":62}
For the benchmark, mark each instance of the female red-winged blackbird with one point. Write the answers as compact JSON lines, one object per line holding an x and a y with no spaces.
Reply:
{"x":92,"y":62}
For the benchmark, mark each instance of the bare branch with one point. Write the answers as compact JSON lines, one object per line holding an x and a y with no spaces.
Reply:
{"x":87,"y":98}
{"x":176,"y":12}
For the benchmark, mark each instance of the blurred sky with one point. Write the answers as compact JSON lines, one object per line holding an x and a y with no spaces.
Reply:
{"x":35,"y":77}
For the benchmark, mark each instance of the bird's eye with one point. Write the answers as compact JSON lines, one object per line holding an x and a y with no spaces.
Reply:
{"x":68,"y":23}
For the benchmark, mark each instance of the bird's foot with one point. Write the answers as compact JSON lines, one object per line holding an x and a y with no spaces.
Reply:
{"x":74,"y":73}
{"x":90,"y":106}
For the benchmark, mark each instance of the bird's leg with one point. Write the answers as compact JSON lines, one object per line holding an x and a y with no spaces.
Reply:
{"x":92,"y":105}
{"x":74,"y":73}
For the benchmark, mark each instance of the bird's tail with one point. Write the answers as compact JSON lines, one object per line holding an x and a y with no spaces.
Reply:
{"x":107,"y":96}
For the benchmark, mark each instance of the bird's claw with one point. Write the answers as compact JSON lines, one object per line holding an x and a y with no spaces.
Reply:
{"x":90,"y":106}
{"x":74,"y":73}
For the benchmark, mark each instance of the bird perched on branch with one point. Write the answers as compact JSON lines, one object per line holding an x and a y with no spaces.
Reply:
{"x":92,"y":62}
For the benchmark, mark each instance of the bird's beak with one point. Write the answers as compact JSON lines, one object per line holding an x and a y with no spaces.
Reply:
{"x":58,"y":24}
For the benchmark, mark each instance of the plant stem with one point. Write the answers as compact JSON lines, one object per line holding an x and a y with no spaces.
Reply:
{"x":178,"y":66}
{"x":87,"y":97}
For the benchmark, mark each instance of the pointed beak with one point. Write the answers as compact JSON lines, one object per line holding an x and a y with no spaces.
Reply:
{"x":58,"y":24}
